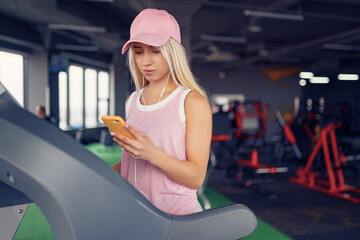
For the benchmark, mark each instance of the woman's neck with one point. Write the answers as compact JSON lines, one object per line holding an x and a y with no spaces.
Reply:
{"x":157,"y":90}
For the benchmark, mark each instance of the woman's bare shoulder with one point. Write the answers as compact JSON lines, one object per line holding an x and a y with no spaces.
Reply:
{"x":195,"y":102}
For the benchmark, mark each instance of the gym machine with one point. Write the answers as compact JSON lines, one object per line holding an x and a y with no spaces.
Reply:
{"x":81,"y":196}
{"x":333,"y":183}
{"x":249,"y":119}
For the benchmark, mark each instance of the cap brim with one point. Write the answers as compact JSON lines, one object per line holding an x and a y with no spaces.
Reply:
{"x":151,"y":39}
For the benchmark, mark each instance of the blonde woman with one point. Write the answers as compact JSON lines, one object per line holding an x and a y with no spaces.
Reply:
{"x":168,"y":115}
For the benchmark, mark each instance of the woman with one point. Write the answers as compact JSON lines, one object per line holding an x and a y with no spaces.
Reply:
{"x":168,"y":115}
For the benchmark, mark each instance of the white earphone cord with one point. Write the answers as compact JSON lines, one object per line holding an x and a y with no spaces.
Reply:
{"x":142,"y":96}
{"x":136,"y":179}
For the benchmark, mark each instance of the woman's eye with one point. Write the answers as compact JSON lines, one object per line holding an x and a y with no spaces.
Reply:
{"x":156,"y":51}
{"x":138,"y":52}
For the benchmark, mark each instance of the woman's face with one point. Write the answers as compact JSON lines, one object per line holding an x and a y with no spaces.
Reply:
{"x":150,"y":62}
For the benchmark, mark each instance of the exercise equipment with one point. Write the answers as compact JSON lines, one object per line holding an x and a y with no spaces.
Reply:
{"x":106,"y":140}
{"x":228,"y":142}
{"x":252,"y":172}
{"x":260,"y":168}
{"x":222,"y":141}
{"x":289,"y":138}
{"x":295,"y":136}
{"x":202,"y":188}
{"x":334,"y":183}
{"x":250,"y":119}
{"x":81,"y":196}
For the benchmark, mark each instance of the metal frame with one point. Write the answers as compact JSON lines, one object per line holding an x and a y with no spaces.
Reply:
{"x":334,"y":184}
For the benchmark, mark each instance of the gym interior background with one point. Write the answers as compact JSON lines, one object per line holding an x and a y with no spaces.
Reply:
{"x":282,"y":77}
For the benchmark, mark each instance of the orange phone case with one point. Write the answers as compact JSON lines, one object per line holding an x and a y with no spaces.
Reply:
{"x":116,"y":124}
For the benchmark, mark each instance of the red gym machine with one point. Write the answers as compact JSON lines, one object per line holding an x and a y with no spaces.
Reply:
{"x":288,"y":134}
{"x":250,"y":112}
{"x":334,"y":184}
{"x":250,"y":118}
{"x":259,"y":168}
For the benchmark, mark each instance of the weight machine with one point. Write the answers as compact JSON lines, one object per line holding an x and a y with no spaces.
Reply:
{"x":333,"y":183}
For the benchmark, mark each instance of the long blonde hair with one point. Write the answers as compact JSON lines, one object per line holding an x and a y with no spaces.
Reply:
{"x":175,"y":56}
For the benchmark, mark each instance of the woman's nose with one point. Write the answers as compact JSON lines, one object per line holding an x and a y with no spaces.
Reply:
{"x":147,"y":60}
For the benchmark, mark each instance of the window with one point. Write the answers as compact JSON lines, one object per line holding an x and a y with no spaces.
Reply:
{"x":76,"y":104}
{"x":83,"y":97}
{"x":63,"y":101}
{"x":90,"y":97}
{"x":104,"y":91}
{"x":12,"y":74}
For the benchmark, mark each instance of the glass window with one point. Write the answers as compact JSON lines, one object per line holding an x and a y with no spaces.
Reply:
{"x":90,"y":97}
{"x":83,"y":97}
{"x":76,"y":96}
{"x":104,"y":92}
{"x":12,"y":74}
{"x":63,"y":100}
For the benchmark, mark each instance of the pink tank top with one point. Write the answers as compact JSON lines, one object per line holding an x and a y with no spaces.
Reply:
{"x":164,"y":123}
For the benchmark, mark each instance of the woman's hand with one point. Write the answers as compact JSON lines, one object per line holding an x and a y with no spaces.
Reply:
{"x":140,"y":147}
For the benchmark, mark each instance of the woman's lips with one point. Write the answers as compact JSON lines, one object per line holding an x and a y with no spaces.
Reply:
{"x":149,"y":72}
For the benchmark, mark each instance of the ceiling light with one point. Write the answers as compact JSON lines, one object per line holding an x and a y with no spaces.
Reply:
{"x":286,"y":16}
{"x":72,"y":27}
{"x":223,"y":39}
{"x":320,"y":80}
{"x":302,"y":82}
{"x":306,"y":75}
{"x":348,"y":77}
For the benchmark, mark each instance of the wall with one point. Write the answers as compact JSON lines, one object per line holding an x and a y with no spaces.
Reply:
{"x":120,"y":85}
{"x":37,"y":80}
{"x":337,"y":92}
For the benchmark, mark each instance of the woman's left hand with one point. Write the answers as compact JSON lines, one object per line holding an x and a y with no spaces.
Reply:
{"x":140,"y":147}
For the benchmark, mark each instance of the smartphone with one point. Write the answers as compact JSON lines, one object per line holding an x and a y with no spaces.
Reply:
{"x":116,"y":124}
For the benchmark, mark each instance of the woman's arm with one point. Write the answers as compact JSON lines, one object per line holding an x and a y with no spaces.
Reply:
{"x":190,"y":173}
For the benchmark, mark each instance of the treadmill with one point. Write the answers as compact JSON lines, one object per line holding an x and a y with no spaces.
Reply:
{"x":81,"y":196}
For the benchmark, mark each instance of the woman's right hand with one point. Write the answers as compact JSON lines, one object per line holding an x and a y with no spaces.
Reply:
{"x":140,"y":147}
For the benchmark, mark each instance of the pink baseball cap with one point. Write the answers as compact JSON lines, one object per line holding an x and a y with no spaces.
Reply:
{"x":153,"y":27}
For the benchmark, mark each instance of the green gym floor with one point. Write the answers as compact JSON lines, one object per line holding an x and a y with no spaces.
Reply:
{"x":35,"y":226}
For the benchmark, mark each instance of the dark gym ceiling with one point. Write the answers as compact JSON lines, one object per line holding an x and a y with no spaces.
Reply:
{"x":312,"y":34}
